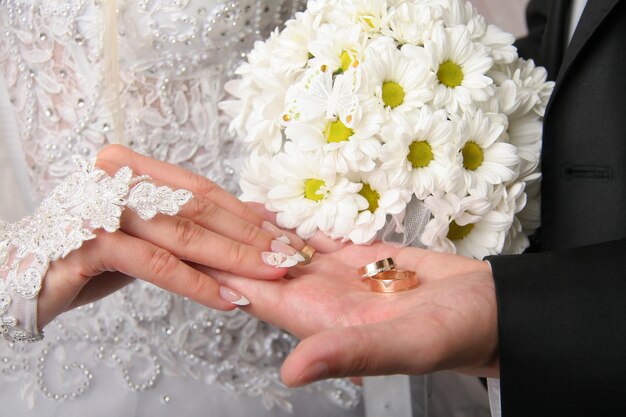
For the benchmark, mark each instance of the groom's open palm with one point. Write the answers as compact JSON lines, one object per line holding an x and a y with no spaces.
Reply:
{"x":448,"y":322}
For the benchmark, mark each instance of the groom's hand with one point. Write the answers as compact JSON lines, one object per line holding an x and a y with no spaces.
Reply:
{"x":448,"y":322}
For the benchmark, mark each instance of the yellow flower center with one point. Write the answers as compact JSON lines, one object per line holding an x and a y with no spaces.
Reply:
{"x":473,"y":156}
{"x":337,"y":132}
{"x":420,"y":154}
{"x":456,"y":232}
{"x":369,"y":21}
{"x":371,"y":196}
{"x":311,"y":188}
{"x":450,"y":74}
{"x":346,"y":61}
{"x":393,"y":94}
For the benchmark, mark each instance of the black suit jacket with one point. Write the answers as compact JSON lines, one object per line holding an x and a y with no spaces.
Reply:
{"x":562,"y":311}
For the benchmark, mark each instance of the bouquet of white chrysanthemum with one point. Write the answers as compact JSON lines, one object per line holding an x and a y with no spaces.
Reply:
{"x":378,"y":119}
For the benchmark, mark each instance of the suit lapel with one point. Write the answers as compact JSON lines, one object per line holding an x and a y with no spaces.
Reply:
{"x":553,"y":45}
{"x":593,"y":15}
{"x":595,"y":12}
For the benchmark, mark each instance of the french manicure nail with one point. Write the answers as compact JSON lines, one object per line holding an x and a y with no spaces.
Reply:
{"x":275,"y":231}
{"x":312,"y":373}
{"x":274,"y":258}
{"x":284,"y":239}
{"x":233,"y":297}
{"x":280,"y":246}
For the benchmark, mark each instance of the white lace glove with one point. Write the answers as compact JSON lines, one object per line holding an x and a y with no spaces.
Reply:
{"x":87,"y":200}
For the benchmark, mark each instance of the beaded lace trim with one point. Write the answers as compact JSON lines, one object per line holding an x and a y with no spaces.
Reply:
{"x":87,"y":200}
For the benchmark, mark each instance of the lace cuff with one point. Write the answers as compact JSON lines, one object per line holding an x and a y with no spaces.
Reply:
{"x":87,"y":200}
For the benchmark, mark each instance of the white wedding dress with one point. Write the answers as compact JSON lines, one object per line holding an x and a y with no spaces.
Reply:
{"x":148,"y":74}
{"x":142,"y":351}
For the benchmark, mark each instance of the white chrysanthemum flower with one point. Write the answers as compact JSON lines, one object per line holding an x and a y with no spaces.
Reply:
{"x":261,"y":125}
{"x":512,"y":202}
{"x":418,"y":151}
{"x":367,"y":13}
{"x":383,"y":197}
{"x":524,"y":128}
{"x":463,"y":13}
{"x":501,"y":45}
{"x":343,"y":149}
{"x":460,"y":66}
{"x":468,"y":226}
{"x":292,"y":50}
{"x":320,"y":93}
{"x":530,"y":215}
{"x":238,"y":109}
{"x":255,"y":182}
{"x":246,"y":89}
{"x":525,"y":85}
{"x":307,"y":199}
{"x":262,"y":54}
{"x":337,"y":48}
{"x":400,"y":84}
{"x":484,"y":160}
{"x":409,"y":22}
{"x":259,"y":97}
{"x":525,"y":134}
{"x":357,"y":106}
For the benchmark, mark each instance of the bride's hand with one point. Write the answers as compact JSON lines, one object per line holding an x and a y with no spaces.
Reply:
{"x":213,"y":229}
{"x":448,"y":322}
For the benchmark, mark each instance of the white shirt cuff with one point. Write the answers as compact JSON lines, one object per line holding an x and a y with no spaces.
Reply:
{"x":493,"y":385}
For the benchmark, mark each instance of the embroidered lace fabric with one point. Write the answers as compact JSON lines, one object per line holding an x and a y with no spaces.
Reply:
{"x":87,"y":200}
{"x":174,"y":57}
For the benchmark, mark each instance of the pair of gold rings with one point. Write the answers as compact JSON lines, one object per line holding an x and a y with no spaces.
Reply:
{"x":384,"y":277}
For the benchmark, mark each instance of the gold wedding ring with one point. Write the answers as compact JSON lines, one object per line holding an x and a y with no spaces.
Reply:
{"x":307,"y":253}
{"x":377,"y":267}
{"x":395,"y":280}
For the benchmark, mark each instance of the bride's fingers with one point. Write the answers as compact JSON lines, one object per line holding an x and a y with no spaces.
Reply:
{"x":260,"y":209}
{"x":209,"y":215}
{"x":189,"y":241}
{"x":99,"y":287}
{"x":67,"y":278}
{"x":113,"y":157}
{"x":269,"y":223}
{"x":143,"y":260}
{"x":265,"y":296}
{"x":324,"y":244}
{"x":301,"y":304}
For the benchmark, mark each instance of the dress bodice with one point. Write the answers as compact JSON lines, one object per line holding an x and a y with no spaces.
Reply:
{"x":145,"y":73}
{"x":148,"y":74}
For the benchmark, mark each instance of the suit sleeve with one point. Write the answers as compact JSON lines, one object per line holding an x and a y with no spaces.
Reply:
{"x":562,"y":331}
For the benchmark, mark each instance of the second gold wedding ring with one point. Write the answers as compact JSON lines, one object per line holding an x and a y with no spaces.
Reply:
{"x":370,"y":270}
{"x":393,"y":281}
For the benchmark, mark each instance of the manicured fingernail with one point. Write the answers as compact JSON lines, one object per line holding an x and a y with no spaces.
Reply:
{"x":282,"y":247}
{"x":275,"y":231}
{"x":233,"y":297}
{"x":314,"y":372}
{"x":274,"y":258}
{"x":284,"y":239}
